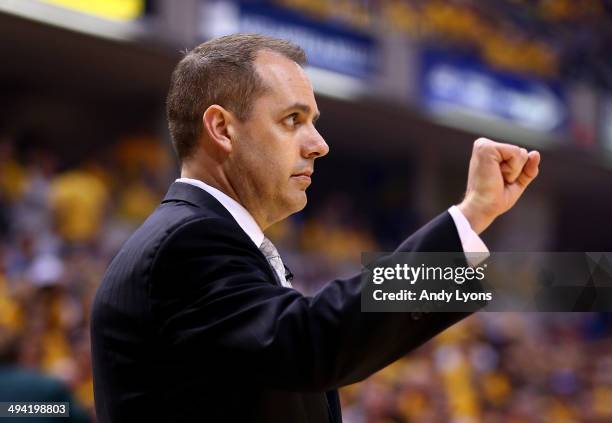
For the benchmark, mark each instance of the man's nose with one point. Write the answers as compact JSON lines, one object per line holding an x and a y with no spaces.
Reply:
{"x":315,"y":146}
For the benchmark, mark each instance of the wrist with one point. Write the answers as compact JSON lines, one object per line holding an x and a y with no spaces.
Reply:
{"x":478,"y":221}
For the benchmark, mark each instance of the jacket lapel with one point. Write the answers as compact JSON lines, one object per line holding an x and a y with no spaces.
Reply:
{"x":196,"y":196}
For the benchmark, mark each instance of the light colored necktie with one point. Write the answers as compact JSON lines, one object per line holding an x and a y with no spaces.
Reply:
{"x":271,"y":253}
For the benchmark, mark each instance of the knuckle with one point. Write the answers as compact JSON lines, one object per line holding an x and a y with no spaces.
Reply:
{"x":480,"y":144}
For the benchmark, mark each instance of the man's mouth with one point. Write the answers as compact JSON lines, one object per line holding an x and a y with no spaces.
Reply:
{"x":307,"y":172}
{"x":304,"y":176}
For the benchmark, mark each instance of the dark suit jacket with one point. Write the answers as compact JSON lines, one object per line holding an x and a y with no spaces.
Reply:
{"x":190,"y":325}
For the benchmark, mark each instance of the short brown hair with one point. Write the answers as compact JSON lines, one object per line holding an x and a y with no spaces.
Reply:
{"x":219,"y":71}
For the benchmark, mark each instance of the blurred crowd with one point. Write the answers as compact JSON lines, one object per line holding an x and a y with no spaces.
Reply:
{"x":494,"y":368}
{"x":546,"y":38}
{"x":61,"y":225}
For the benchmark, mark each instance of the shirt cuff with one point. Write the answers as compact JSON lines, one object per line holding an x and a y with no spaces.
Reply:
{"x":475,"y":249}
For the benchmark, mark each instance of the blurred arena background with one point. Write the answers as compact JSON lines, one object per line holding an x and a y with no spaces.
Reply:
{"x":404,"y":87}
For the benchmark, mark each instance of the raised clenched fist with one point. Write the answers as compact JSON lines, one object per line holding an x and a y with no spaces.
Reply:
{"x":498,"y":176}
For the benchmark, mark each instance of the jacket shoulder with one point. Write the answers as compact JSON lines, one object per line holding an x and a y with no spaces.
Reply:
{"x":130,"y":270}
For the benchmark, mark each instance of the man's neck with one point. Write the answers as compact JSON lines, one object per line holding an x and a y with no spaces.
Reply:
{"x":221,"y":183}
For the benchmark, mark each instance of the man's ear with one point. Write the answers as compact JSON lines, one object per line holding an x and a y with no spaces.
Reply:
{"x":217,"y":121}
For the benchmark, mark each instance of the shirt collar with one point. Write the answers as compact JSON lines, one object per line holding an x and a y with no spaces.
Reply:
{"x":244,"y":219}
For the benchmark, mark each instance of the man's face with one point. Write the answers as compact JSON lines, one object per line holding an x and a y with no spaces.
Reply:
{"x":273,"y":151}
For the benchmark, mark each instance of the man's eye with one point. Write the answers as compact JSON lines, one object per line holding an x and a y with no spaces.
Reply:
{"x":292,"y":119}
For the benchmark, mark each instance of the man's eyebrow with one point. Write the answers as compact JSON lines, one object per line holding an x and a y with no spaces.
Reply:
{"x":304,"y":108}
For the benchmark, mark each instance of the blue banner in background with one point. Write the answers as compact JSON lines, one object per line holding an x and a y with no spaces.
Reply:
{"x":328,"y":46}
{"x":461,"y":84}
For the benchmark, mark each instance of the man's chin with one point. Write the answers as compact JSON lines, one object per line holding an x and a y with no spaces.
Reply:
{"x":288,"y":205}
{"x":298,"y":202}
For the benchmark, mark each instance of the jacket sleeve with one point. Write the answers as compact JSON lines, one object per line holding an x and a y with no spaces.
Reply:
{"x":215,"y":305}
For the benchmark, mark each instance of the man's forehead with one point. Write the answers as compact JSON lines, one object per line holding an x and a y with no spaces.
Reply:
{"x":284,"y":78}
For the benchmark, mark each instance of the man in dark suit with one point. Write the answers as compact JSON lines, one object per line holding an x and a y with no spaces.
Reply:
{"x":195,"y":320}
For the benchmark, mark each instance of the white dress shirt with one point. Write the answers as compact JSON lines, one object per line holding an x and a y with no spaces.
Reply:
{"x":470,"y":241}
